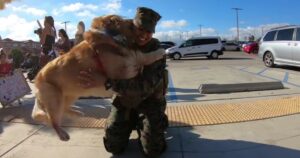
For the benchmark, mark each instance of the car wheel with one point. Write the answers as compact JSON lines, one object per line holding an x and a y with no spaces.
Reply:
{"x":214,"y":55}
{"x":269,"y":59}
{"x":176,"y":56}
{"x":237,"y":49}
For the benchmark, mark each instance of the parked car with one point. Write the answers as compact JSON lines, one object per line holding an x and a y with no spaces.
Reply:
{"x":165,"y":46}
{"x":231,"y":46}
{"x":211,"y":47}
{"x":251,"y":47}
{"x":281,"y":46}
{"x":168,"y":43}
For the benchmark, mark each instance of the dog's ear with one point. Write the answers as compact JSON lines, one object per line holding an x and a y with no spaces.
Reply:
{"x":92,"y":38}
{"x":88,"y":36}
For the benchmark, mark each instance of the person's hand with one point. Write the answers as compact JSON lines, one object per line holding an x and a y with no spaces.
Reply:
{"x":86,"y":79}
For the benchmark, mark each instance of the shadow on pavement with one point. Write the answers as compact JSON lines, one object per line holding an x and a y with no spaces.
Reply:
{"x":187,"y":142}
{"x":184,"y":90}
{"x":195,"y":146}
{"x":185,"y":98}
{"x":288,"y":67}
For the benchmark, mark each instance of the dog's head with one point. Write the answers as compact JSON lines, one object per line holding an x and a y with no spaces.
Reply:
{"x":95,"y":37}
{"x":100,"y":42}
{"x":122,"y":30}
{"x":112,"y":22}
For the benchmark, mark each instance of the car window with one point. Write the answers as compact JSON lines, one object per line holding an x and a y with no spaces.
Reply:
{"x":197,"y":42}
{"x":231,"y":44}
{"x":270,"y":36}
{"x":298,"y":34}
{"x":208,"y":41}
{"x":188,"y":43}
{"x":285,"y":35}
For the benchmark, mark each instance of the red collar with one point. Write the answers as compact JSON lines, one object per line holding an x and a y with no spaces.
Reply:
{"x":100,"y":66}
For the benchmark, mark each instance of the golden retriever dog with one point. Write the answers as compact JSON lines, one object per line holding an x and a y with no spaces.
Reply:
{"x":57,"y":82}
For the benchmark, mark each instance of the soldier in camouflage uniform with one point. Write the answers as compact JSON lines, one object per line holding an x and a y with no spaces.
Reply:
{"x":142,"y":102}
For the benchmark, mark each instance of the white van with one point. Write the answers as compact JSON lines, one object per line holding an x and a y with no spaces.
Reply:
{"x":210,"y":47}
{"x":281,"y":46}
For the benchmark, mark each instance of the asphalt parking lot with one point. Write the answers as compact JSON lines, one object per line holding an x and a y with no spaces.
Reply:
{"x":187,"y":74}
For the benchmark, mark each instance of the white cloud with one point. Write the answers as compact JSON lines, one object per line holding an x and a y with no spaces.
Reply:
{"x":55,"y":12}
{"x":85,"y":13}
{"x":178,"y":36}
{"x":256,"y":31}
{"x":29,"y":10}
{"x":20,"y":29}
{"x":81,"y":9}
{"x":74,"y":7}
{"x":17,"y":28}
{"x":112,"y":6}
{"x":173,"y":23}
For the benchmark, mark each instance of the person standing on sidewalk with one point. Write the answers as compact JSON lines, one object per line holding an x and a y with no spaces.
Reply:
{"x":63,"y":45}
{"x":6,"y":68}
{"x":79,"y":33}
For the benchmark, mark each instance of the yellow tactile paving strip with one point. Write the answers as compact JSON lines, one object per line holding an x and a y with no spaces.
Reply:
{"x":189,"y":115}
{"x":183,"y":115}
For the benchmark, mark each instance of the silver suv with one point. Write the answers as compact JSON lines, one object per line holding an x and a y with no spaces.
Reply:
{"x":281,"y":46}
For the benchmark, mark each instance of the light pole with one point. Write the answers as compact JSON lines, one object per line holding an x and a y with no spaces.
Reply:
{"x":65,"y":22}
{"x":200,"y":29}
{"x":237,"y":22}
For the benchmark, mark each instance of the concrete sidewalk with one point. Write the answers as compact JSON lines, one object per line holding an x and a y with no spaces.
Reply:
{"x":273,"y":138}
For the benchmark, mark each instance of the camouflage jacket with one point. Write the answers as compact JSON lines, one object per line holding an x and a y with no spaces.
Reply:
{"x":145,"y":83}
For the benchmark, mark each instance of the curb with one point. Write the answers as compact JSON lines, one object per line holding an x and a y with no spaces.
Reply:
{"x":240,"y":87}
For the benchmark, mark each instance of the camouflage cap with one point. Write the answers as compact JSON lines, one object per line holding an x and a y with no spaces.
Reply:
{"x":146,"y":18}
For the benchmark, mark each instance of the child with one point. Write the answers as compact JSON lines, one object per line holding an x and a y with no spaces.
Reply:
{"x":5,"y":66}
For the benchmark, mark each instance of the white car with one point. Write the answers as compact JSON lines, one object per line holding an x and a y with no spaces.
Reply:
{"x":210,"y":47}
{"x":231,"y":46}
{"x":281,"y":46}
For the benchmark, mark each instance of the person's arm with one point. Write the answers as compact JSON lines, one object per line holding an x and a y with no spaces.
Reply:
{"x":145,"y":83}
{"x":140,"y":86}
{"x":46,"y":31}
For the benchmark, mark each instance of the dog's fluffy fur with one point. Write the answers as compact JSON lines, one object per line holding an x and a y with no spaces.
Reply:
{"x":57,"y":82}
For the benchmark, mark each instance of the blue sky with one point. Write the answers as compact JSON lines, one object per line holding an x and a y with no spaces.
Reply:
{"x":180,"y":19}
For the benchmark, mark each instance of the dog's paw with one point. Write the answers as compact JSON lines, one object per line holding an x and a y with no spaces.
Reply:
{"x":63,"y":135}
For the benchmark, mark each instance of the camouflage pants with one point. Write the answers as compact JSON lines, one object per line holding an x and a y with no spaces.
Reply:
{"x":148,"y":118}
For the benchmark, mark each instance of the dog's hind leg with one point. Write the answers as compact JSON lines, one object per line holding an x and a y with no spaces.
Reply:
{"x":37,"y":113}
{"x":68,"y":101}
{"x":52,"y":98}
